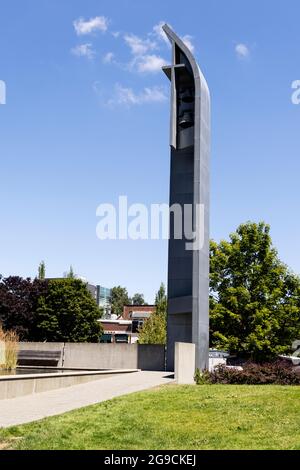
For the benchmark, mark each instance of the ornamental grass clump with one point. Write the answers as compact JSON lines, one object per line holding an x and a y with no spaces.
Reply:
{"x":9,"y":346}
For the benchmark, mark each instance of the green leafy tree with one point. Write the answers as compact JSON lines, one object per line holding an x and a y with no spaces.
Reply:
{"x":68,"y":312}
{"x":138,"y":299}
{"x":119,"y":298}
{"x":254,"y":298}
{"x":154,"y":330}
{"x":42,"y":271}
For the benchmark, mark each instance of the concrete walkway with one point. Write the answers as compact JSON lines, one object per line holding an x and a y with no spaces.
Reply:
{"x":38,"y":406}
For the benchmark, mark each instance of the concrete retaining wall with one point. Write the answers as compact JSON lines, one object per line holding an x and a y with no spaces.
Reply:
{"x":21,"y":385}
{"x":100,"y":356}
{"x":151,"y":357}
{"x":105,"y":356}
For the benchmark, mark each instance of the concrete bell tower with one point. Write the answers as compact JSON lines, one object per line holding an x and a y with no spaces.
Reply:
{"x":188,"y":269}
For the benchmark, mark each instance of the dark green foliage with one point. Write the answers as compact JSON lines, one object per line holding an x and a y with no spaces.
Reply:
{"x":138,"y":299}
{"x":68,"y":312}
{"x":255,"y":299}
{"x":119,"y":298}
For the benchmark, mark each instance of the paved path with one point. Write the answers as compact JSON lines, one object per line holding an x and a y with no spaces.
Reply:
{"x":37,"y":406}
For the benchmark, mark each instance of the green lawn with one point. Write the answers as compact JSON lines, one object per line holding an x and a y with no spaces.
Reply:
{"x":173,"y":417}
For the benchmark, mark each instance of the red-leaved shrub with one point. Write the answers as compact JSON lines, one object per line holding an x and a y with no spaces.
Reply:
{"x":276,"y":373}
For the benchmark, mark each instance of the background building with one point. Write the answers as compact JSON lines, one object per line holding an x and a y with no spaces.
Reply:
{"x":104,"y":299}
{"x":116,"y":331}
{"x":125,"y":329}
{"x":102,"y":296}
{"x":137,"y":314}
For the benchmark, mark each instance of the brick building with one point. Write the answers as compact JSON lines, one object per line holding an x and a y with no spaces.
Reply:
{"x":137,"y":314}
{"x":137,"y":311}
{"x":125,"y":329}
{"x":116,"y":331}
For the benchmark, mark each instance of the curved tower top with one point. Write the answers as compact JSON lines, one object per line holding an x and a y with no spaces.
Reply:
{"x":183,"y":59}
{"x":188,"y":270}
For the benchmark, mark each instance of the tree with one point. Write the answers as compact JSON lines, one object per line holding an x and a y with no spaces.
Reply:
{"x":18,"y":304}
{"x":161,"y":300}
{"x":138,"y":299}
{"x":119,"y":298}
{"x":70,"y":274}
{"x":42,"y":271}
{"x":254,"y":298}
{"x":68,"y":312}
{"x":154,"y":330}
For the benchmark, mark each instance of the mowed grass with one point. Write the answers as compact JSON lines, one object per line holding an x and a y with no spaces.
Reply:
{"x":173,"y":417}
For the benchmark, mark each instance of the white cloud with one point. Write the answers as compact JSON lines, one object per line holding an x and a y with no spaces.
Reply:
{"x":159,"y":32}
{"x":83,"y":50}
{"x":108,"y":58}
{"x":143,"y":61}
{"x":139,"y":46}
{"x":127,"y":97}
{"x":116,"y":34}
{"x":82,"y":26}
{"x":242,"y":51}
{"x":150,"y":63}
{"x":187,"y":39}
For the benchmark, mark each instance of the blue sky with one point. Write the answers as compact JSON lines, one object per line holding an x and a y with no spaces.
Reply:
{"x":87,"y":120}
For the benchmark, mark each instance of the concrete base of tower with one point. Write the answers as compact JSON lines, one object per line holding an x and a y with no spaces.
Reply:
{"x":179,"y":331}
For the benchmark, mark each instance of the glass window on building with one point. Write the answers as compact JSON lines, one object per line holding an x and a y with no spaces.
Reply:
{"x":104,"y":300}
{"x":106,"y":338}
{"x":121,"y":338}
{"x":136,"y":325}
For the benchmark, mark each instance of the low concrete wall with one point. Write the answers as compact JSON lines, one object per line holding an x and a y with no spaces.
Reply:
{"x":100,"y":356}
{"x":105,"y":356}
{"x":151,"y":357}
{"x":21,"y":385}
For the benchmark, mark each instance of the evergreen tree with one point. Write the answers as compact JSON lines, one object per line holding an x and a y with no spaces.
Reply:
{"x":161,"y":300}
{"x":42,"y":271}
{"x":70,"y":274}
